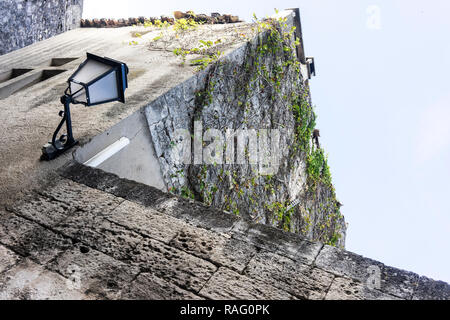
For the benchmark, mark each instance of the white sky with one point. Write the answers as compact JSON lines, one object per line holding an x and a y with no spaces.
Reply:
{"x":382,"y":93}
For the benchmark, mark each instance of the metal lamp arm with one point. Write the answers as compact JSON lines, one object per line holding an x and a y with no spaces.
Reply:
{"x":65,"y":141}
{"x":66,"y":99}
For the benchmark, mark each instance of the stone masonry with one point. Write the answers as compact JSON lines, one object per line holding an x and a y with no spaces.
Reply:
{"x":136,"y":242}
{"x":234,"y":95}
{"x":24,"y":22}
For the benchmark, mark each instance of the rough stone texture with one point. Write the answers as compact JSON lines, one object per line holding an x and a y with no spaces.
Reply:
{"x":7,"y":258}
{"x":102,"y":235}
{"x":63,"y":200}
{"x":283,"y":243}
{"x":130,"y":250}
{"x":195,"y":213}
{"x":343,"y":263}
{"x":80,"y":199}
{"x":94,"y":273}
{"x":233,"y":95}
{"x":219,"y":249}
{"x":429,"y":289}
{"x":185,"y":270}
{"x":227,"y":284}
{"x":298,"y":279}
{"x":149,"y":287}
{"x":41,"y":245}
{"x":348,"y":289}
{"x":33,"y":206}
{"x":31,"y":239}
{"x":146,"y":221}
{"x":31,"y":281}
{"x":24,"y":22}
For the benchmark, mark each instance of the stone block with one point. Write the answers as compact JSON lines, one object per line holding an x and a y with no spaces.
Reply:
{"x":280,"y":242}
{"x":7,"y":258}
{"x":428,"y":289}
{"x":25,"y":22}
{"x":302,"y":281}
{"x":198,"y":214}
{"x":173,"y":265}
{"x":193,"y":212}
{"x":229,"y":285}
{"x":30,"y":239}
{"x":147,"y":286}
{"x":348,"y":289}
{"x":12,"y":227}
{"x":146,"y":221}
{"x":31,"y":281}
{"x":42,"y":245}
{"x":81,"y":198}
{"x":391,"y":280}
{"x":218,"y":248}
{"x":101,"y":234}
{"x":43,"y":210}
{"x":93,"y":272}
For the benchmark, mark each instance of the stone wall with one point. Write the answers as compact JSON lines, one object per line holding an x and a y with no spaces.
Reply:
{"x":24,"y":22}
{"x":259,"y":90}
{"x":137,"y":242}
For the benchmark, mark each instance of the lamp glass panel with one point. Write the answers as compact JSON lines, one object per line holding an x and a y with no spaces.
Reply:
{"x":105,"y":89}
{"x":78,"y":96}
{"x":91,"y":70}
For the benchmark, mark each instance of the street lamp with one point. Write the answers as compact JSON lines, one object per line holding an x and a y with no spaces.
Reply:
{"x":97,"y":80}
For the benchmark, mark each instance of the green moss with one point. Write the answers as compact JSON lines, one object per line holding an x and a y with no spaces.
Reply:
{"x":317,"y":167}
{"x":305,"y":119}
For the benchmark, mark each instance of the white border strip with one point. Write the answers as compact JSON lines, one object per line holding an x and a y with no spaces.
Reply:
{"x":107,"y":153}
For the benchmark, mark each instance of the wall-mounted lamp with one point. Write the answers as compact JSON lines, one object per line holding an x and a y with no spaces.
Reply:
{"x":97,"y":80}
{"x":311,"y":66}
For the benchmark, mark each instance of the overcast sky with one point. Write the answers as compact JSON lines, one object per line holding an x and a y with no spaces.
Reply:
{"x":382,"y":96}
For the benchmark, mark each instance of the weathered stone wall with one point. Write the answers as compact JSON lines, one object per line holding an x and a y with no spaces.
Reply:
{"x":24,"y":22}
{"x":256,"y":87}
{"x":136,"y":242}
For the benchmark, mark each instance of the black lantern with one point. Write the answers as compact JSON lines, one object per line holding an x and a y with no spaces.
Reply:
{"x":97,"y":80}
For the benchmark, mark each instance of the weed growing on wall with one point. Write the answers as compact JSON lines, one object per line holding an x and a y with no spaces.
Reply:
{"x":270,"y":71}
{"x":205,"y":51}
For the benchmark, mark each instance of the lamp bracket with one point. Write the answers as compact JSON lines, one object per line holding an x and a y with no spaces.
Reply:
{"x":57,"y":146}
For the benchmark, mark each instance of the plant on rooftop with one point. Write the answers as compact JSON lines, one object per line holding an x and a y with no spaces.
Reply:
{"x":172,"y":33}
{"x":183,"y":24}
{"x":209,"y":54}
